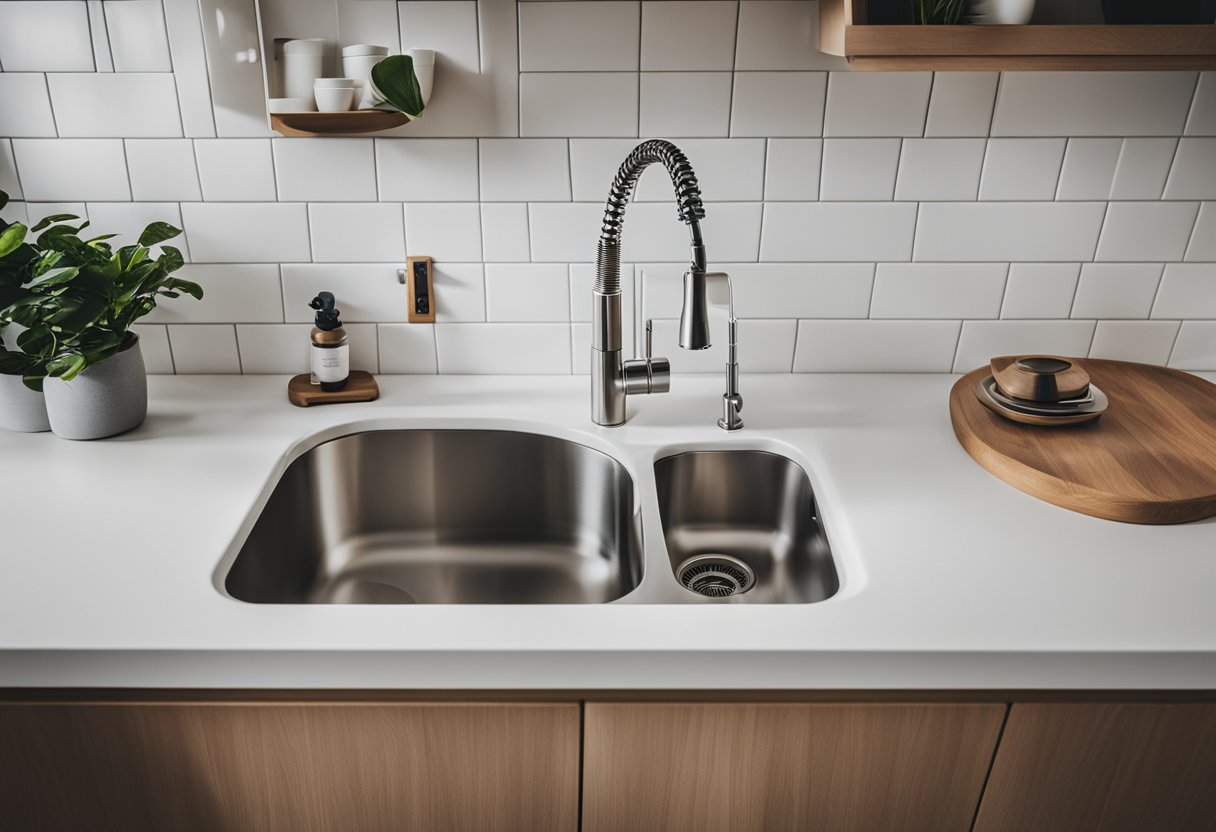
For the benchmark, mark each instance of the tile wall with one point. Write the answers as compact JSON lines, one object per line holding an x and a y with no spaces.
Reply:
{"x":872,"y":222}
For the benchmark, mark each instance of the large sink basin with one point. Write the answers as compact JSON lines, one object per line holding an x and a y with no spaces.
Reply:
{"x":444,"y":517}
{"x":742,"y":526}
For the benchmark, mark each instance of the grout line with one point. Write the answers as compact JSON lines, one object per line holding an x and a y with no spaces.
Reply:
{"x":169,"y":346}
{"x":996,"y":97}
{"x":924,"y":122}
{"x":1190,"y":240}
{"x":1156,"y":292}
{"x":1191,"y":109}
{"x":1000,"y":313}
{"x":1174,"y":344}
{"x":958,"y":346}
{"x":240,"y":365}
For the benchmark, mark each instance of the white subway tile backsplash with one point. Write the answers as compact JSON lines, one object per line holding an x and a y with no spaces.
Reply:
{"x":1143,"y":166}
{"x":154,"y":345}
{"x":764,"y":346}
{"x":938,"y":290}
{"x":937,"y":170}
{"x":594,"y":163}
{"x":138,"y":40}
{"x":1021,"y":169}
{"x":1195,"y":348}
{"x":777,"y":35}
{"x":595,"y":104}
{"x":9,"y":183}
{"x":1148,"y":342}
{"x":1008,"y":231}
{"x":504,"y":349}
{"x":185,"y":30}
{"x":365,"y":292}
{"x":246,"y":232}
{"x":1092,"y":103}
{"x":235,"y":170}
{"x":1116,"y":290}
{"x":444,"y":230}
{"x":163,"y":170}
{"x":39,"y":36}
{"x":325,"y":170}
{"x":1188,"y":290}
{"x":1202,"y":120}
{"x":136,"y":104}
{"x":244,"y":293}
{"x":1203,"y":238}
{"x":15,"y":212}
{"x":1040,"y":290}
{"x":504,"y":232}
{"x":875,"y":346}
{"x":450,"y":27}
{"x":431,"y":170}
{"x":685,"y":103}
{"x":728,"y":170}
{"x":961,"y":104}
{"x":77,"y":169}
{"x":653,"y":232}
{"x":37,"y":211}
{"x":562,"y":36}
{"x":666,"y":44}
{"x":407,"y":348}
{"x":981,"y":340}
{"x":102,"y":60}
{"x":1193,"y":175}
{"x":861,"y":232}
{"x":128,"y":220}
{"x":1089,"y":167}
{"x":526,"y":292}
{"x":284,"y":348}
{"x":566,"y":233}
{"x":1146,"y":231}
{"x":877,"y":103}
{"x":859,"y":169}
{"x":357,"y":232}
{"x":524,"y":170}
{"x":204,"y":348}
{"x":27,"y":104}
{"x":460,"y":292}
{"x":778,"y":104}
{"x":791,"y":171}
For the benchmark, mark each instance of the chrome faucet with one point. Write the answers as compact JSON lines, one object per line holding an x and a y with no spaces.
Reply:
{"x":612,"y":378}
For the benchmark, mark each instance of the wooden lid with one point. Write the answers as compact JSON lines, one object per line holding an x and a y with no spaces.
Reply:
{"x":1039,"y":378}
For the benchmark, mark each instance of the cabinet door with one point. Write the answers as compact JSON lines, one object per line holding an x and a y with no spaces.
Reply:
{"x":771,"y":767}
{"x":215,"y":767}
{"x":1105,"y":767}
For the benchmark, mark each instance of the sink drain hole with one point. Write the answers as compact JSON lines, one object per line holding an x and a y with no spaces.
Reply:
{"x":716,"y":576}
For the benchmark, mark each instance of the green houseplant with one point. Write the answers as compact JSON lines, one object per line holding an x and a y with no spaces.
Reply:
{"x":22,"y":408}
{"x":77,"y":300}
{"x":939,"y":11}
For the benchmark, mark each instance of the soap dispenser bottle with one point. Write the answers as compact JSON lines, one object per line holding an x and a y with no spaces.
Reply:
{"x":330,"y":352}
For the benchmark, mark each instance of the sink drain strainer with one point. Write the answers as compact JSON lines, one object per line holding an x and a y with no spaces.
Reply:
{"x":716,"y":576}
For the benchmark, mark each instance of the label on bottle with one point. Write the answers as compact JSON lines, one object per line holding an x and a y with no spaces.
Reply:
{"x":331,"y":364}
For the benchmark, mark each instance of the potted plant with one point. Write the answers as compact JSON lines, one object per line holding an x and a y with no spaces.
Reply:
{"x":77,"y":303}
{"x":22,"y":406}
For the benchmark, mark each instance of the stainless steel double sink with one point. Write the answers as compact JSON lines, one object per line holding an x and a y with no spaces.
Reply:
{"x":508,"y":517}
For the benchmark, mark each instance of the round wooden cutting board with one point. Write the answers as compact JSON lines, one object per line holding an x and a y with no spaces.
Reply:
{"x":1151,"y":458}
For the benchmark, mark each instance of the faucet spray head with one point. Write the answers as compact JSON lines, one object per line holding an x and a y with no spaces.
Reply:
{"x":694,"y":317}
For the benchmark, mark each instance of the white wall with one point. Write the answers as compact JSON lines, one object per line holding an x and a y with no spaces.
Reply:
{"x":873,"y":222}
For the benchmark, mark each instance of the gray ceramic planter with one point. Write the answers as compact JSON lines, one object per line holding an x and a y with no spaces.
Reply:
{"x":21,"y":409}
{"x":107,"y":398}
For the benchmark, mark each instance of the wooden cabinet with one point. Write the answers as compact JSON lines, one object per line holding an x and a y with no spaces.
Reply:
{"x":772,"y":767}
{"x":845,"y":28}
{"x":297,"y":767}
{"x":1104,"y":766}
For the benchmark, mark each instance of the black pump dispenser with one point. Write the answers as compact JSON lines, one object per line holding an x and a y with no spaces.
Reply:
{"x":327,"y":316}
{"x":330,"y":353}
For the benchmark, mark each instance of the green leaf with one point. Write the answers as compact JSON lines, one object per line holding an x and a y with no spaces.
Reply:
{"x":158,"y":232}
{"x":34,"y":382}
{"x":54,"y":277}
{"x":66,"y":367}
{"x":171,"y":259}
{"x":47,"y":222}
{"x":12,"y":238}
{"x":394,"y":79}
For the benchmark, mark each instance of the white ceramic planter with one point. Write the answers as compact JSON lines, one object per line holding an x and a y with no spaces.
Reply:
{"x":108,"y":398}
{"x":1008,"y":12}
{"x":21,"y":409}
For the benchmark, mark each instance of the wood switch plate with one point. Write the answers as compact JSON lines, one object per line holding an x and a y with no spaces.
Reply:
{"x":420,"y":280}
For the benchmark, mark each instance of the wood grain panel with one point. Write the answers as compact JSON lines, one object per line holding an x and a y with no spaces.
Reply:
{"x":1030,"y":40}
{"x":1104,"y":768}
{"x":215,"y":767}
{"x":1151,"y":458}
{"x":773,"y":767}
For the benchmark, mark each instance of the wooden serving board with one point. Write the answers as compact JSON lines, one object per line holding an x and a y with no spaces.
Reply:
{"x":360,"y":387}
{"x":1151,"y":458}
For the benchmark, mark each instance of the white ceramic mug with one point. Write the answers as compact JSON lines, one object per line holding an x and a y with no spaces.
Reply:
{"x":303,"y":61}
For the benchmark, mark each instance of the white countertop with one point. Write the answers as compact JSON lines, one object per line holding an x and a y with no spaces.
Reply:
{"x":950,"y":578}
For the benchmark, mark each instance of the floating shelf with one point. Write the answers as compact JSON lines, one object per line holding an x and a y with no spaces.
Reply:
{"x":335,"y":124}
{"x":843,"y":31}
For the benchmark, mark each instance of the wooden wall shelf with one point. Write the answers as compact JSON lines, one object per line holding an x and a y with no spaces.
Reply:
{"x":335,"y":124}
{"x":843,"y":31}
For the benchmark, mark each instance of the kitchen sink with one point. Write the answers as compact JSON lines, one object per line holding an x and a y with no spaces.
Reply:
{"x":444,"y":517}
{"x":742,"y":526}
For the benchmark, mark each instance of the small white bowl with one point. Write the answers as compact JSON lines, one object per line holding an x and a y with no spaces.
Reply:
{"x":338,"y":83}
{"x":291,"y":105}
{"x":334,"y":99}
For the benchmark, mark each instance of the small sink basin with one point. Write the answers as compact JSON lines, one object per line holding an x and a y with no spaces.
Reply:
{"x":444,"y":517}
{"x":741,"y":526}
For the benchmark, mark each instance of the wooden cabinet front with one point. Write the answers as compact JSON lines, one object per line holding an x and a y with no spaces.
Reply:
{"x":1106,"y":767}
{"x":344,"y":766}
{"x":706,"y":767}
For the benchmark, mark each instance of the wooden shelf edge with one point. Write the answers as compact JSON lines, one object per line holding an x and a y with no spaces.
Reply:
{"x":1190,"y":42}
{"x":1030,"y":63}
{"x":351,"y":122}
